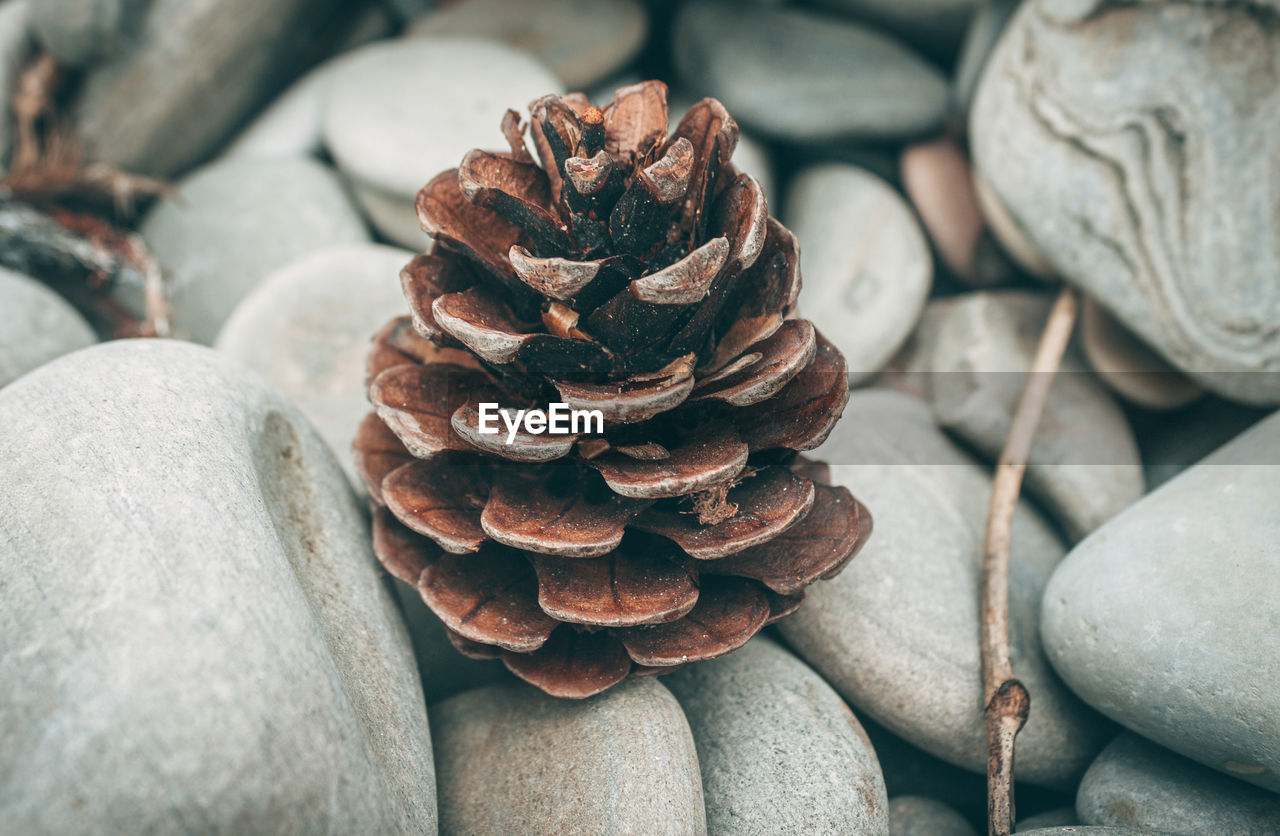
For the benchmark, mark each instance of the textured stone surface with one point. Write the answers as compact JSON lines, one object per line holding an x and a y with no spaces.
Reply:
{"x":780,"y":752}
{"x":1161,"y":618}
{"x":306,"y":329}
{"x":197,"y":636}
{"x":581,"y":41}
{"x":514,"y":760}
{"x":913,"y":815}
{"x":80,"y":31}
{"x":36,"y":325}
{"x":15,"y":48}
{"x":1084,"y":464}
{"x":1136,"y":783}
{"x":195,"y":71}
{"x":1121,"y":138}
{"x":806,"y":77}
{"x":866,"y":264}
{"x":234,"y":222}
{"x":391,"y":124}
{"x":896,"y":633}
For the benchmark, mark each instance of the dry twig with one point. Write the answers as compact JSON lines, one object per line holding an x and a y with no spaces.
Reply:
{"x":1006,"y":700}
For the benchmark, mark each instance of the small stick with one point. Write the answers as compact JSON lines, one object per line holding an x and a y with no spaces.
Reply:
{"x":1006,"y":700}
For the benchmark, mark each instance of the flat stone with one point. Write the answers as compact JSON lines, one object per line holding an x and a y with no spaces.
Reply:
{"x":913,"y":815}
{"x":866,"y":264}
{"x":896,"y":633}
{"x":805,"y":77}
{"x":393,"y":216}
{"x":780,"y":751}
{"x":195,"y":71}
{"x":306,"y":328}
{"x":77,"y":32}
{"x":1159,"y":620}
{"x":36,"y":325}
{"x":1128,"y":365}
{"x":581,"y":41}
{"x":197,"y":634}
{"x":937,"y":178}
{"x":1136,"y":783}
{"x":1084,"y":464}
{"x":1143,"y":186}
{"x":15,"y":48}
{"x":397,"y":113}
{"x":514,"y":760}
{"x":234,"y":222}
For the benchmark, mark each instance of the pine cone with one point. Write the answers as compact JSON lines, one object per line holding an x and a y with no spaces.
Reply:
{"x":638,"y":274}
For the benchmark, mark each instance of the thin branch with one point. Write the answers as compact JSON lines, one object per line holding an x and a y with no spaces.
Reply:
{"x":1006,"y":700}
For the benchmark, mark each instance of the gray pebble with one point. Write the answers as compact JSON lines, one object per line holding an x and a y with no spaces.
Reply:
{"x":780,"y":751}
{"x":197,"y":635}
{"x":36,"y":325}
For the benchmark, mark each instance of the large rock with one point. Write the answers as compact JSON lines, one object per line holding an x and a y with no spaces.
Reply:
{"x":897,"y":632}
{"x":780,"y":751}
{"x":196,"y":70}
{"x":1122,"y":139}
{"x":1136,"y":783}
{"x":1162,"y":619}
{"x":306,"y":329}
{"x":514,"y":760}
{"x":1083,"y":465}
{"x":398,"y":113}
{"x":235,"y":221}
{"x":581,"y":41}
{"x":866,"y":264}
{"x":913,"y":815}
{"x":799,"y":76}
{"x":197,"y":635}
{"x":36,"y":325}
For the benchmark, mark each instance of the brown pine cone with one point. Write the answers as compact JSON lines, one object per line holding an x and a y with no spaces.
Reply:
{"x":638,"y":274}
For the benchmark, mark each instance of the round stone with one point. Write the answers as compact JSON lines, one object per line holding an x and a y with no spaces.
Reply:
{"x":235,"y":221}
{"x":514,"y":760}
{"x":197,"y":634}
{"x":398,"y":113}
{"x":581,"y":41}
{"x":36,"y":325}
{"x":866,"y":264}
{"x":1135,"y":783}
{"x":1161,"y":618}
{"x":808,"y":768}
{"x":804,"y":77}
{"x":306,"y":329}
